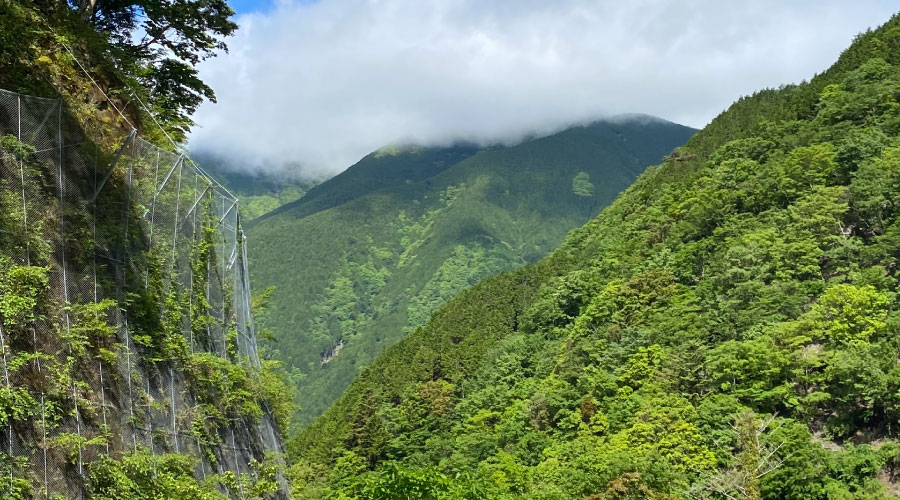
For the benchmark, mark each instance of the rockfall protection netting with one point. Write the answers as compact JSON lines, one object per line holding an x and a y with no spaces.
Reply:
{"x":148,"y":229}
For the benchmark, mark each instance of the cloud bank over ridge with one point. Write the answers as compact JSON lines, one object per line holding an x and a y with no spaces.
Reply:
{"x":319,"y":85}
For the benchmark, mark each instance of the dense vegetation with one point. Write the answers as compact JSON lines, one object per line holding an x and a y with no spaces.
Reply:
{"x":144,"y":49}
{"x":138,"y":51}
{"x":53,"y":352}
{"x":365,"y":257}
{"x":727,"y":328}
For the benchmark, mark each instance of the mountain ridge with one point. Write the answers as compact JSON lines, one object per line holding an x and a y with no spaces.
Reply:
{"x":455,"y":152}
{"x":395,"y":253}
{"x":733,"y":311}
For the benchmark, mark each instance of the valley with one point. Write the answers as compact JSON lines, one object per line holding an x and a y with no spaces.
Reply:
{"x":383,"y":245}
{"x":515,"y":291}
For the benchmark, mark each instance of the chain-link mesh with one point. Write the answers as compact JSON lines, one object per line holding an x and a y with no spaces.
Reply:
{"x":129,"y":225}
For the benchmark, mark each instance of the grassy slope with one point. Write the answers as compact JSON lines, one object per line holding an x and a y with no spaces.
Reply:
{"x":547,"y":339}
{"x":365,"y":270}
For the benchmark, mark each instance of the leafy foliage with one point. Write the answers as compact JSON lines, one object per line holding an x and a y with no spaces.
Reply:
{"x":397,"y":481}
{"x":143,"y":476}
{"x":147,"y":48}
{"x":581,"y":184}
{"x":13,"y":486}
{"x":727,"y":328}
{"x":59,"y":378}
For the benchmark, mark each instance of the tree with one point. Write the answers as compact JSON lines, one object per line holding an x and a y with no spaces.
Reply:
{"x":627,"y":487}
{"x":161,"y":43}
{"x":395,"y":481}
{"x":191,"y":30}
{"x":755,"y":457}
{"x":582,"y":186}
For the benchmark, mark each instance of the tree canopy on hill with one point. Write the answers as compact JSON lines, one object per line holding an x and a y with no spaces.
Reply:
{"x":728,"y":328}
{"x":147,"y":48}
{"x":384,"y":244}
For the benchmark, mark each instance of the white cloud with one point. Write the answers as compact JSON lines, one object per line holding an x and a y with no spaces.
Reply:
{"x":322,"y":84}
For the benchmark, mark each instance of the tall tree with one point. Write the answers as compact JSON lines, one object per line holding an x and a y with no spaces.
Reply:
{"x":165,"y":39}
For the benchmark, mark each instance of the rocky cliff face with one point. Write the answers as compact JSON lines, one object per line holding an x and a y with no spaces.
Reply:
{"x":129,"y":357}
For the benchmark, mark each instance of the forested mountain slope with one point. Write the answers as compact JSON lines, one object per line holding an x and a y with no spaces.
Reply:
{"x":727,"y":328}
{"x":388,"y":167}
{"x":365,"y":257}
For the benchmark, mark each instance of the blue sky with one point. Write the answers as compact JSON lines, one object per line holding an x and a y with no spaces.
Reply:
{"x":262,"y":6}
{"x":246,"y":6}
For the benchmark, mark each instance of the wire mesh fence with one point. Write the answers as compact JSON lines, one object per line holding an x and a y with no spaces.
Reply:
{"x":132,"y":243}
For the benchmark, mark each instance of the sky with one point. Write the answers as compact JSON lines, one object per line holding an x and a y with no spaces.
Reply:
{"x":241,"y":7}
{"x":313,"y":86}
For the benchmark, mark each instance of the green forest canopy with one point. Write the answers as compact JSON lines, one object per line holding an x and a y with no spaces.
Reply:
{"x":726,"y":329}
{"x":367,"y":256}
